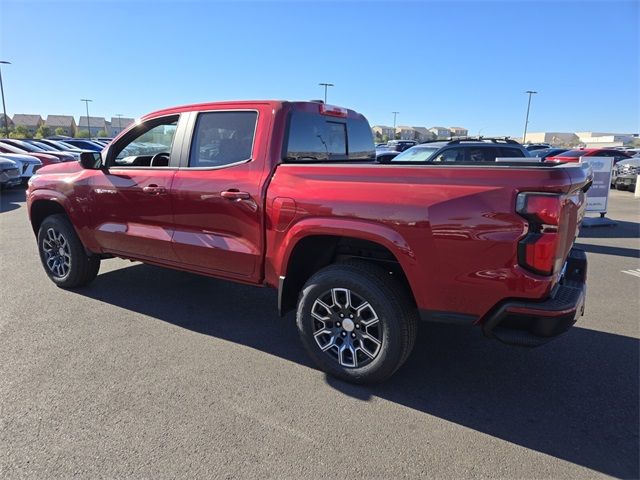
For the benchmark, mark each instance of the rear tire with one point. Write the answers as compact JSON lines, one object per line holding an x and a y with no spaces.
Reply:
{"x":362,"y":336}
{"x":63,"y":256}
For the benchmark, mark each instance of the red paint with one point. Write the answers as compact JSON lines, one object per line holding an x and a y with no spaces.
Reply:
{"x":453,"y":229}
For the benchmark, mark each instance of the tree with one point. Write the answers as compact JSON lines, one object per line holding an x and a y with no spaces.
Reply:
{"x":43,"y":132}
{"x":378,"y":136}
{"x":60,"y":131}
{"x":102,"y":133}
{"x":82,"y":134}
{"x":19,"y":132}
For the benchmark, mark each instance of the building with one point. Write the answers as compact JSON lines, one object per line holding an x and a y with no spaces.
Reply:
{"x":601,"y":139}
{"x":458,"y":132}
{"x":566,"y":139}
{"x":406,"y":133}
{"x":66,"y":122}
{"x":30,"y":122}
{"x":440,"y":132}
{"x":96,"y":125}
{"x":423,"y":134}
{"x":380,"y":132}
{"x":120,"y":123}
{"x":2,"y":124}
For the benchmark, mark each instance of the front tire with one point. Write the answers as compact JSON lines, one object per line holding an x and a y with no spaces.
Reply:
{"x":62,"y":254}
{"x":357,"y":322}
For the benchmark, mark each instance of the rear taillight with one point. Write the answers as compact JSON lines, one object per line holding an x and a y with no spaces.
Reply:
{"x":333,"y":111}
{"x":542,"y":250}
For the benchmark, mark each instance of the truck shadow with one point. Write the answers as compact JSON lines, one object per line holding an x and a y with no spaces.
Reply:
{"x":622,"y":229}
{"x":10,"y":199}
{"x":575,"y":399}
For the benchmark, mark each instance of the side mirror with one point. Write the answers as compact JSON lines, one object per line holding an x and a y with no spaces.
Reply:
{"x":91,"y":160}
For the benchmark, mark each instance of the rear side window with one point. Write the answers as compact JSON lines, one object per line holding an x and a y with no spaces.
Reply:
{"x":509,"y":152}
{"x":222,"y":138}
{"x":314,"y":137}
{"x":482,"y":154}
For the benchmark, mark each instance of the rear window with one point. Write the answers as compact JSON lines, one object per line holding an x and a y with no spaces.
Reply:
{"x":574,"y":153}
{"x":314,"y":137}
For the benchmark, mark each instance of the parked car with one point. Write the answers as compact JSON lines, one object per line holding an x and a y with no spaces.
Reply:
{"x":385,"y":156}
{"x":537,"y":146}
{"x":400,"y":145}
{"x":574,"y":155}
{"x":27,"y":164}
{"x":46,"y":159}
{"x":544,"y":153}
{"x":9,"y":173}
{"x":288,"y":195}
{"x":30,"y":148}
{"x":626,"y":173}
{"x":84,"y":144}
{"x":47,"y":147}
{"x":462,"y":151}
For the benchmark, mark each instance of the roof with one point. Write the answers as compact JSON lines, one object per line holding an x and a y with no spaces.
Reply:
{"x":121,"y":122}
{"x":456,"y":128}
{"x":305,"y":106}
{"x":60,"y":121}
{"x":439,"y":128}
{"x":98,"y":122}
{"x":26,"y":119}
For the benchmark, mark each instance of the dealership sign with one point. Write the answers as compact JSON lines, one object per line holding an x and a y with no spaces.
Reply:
{"x":598,"y":194}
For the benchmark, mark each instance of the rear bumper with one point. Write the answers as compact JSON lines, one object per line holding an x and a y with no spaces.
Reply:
{"x":530,"y":324}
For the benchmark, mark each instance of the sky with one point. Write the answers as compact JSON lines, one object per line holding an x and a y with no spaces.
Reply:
{"x":451,"y":63}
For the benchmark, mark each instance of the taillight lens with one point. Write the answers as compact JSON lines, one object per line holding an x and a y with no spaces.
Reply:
{"x":541,"y":251}
{"x":333,"y":111}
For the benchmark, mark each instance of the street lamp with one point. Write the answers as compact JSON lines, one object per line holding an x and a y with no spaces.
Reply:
{"x":394,"y":119}
{"x":526,"y":121}
{"x":118,"y":115}
{"x":4,"y":108}
{"x":326,"y":85}
{"x":86,"y":101}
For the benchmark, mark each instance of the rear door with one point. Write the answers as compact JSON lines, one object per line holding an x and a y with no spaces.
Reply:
{"x":217,"y":192}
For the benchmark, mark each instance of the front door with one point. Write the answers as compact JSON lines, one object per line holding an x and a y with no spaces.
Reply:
{"x":131,"y":204}
{"x":216,"y":194}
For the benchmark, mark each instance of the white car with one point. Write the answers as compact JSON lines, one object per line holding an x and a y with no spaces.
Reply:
{"x":9,"y":173}
{"x":26,"y":163}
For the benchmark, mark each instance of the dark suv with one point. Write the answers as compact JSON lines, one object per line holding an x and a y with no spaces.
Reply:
{"x":469,"y":150}
{"x":400,"y":145}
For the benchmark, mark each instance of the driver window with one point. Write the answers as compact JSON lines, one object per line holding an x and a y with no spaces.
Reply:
{"x":149,"y":145}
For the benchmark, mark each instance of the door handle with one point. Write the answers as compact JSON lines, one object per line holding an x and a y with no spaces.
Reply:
{"x":154,"y":190}
{"x":234,"y":194}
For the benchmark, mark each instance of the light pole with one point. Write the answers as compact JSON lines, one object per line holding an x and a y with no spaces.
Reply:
{"x":4,"y":108}
{"x":394,"y":119}
{"x":526,"y":121}
{"x":119,"y":127}
{"x":86,"y":101}
{"x":326,"y":85}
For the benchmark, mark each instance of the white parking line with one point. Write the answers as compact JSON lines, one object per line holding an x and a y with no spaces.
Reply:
{"x":635,"y":273}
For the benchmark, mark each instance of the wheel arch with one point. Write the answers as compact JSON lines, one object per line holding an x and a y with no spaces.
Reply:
{"x":308,"y":249}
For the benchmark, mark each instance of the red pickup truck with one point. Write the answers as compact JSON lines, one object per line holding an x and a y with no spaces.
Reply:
{"x":288,"y":195}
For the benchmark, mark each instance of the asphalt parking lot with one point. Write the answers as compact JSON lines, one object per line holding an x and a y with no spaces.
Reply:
{"x":156,"y":373}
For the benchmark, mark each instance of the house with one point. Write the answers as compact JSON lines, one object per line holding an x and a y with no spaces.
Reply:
{"x":406,"y":133}
{"x":458,"y":132}
{"x":96,"y":124}
{"x":9,"y":123}
{"x":118,"y":124}
{"x":30,"y":122}
{"x":66,"y":122}
{"x":423,"y":134}
{"x":382,"y":132}
{"x":440,"y":132}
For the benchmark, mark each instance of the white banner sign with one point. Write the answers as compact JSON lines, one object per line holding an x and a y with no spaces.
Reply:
{"x":598,"y":194}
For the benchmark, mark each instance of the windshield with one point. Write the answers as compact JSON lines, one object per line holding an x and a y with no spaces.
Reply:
{"x":416,"y":154}
{"x":43,"y":146}
{"x":28,"y":147}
